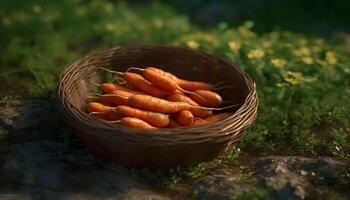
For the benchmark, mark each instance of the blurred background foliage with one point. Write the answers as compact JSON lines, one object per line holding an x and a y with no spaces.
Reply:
{"x":296,"y":51}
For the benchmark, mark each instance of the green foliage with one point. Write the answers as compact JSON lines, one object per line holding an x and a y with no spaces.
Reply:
{"x":302,"y":81}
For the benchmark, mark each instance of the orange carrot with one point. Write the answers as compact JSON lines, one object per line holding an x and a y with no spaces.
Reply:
{"x":139,"y":83}
{"x":107,"y":101}
{"x":194,"y":85}
{"x":98,"y":107}
{"x":107,"y":88}
{"x":163,"y":80}
{"x":185,"y":118}
{"x":118,"y":97}
{"x":155,"y":104}
{"x":147,"y":102}
{"x":218,"y":117}
{"x":200,"y":122}
{"x":173,"y":124}
{"x":195,"y":111}
{"x":210,"y":99}
{"x":101,"y":111}
{"x":155,"y":119}
{"x":135,"y":123}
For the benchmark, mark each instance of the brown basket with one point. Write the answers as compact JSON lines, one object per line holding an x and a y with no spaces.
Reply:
{"x":162,"y":147}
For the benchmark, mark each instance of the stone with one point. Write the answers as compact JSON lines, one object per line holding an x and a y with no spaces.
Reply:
{"x":26,"y":119}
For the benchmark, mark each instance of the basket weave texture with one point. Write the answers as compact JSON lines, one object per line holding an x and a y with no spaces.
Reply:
{"x":161,"y":147}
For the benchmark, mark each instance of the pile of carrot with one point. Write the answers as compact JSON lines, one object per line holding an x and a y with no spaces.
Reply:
{"x":152,"y":98}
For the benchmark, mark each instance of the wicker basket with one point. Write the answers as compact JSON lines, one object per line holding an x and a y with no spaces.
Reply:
{"x":162,"y":147}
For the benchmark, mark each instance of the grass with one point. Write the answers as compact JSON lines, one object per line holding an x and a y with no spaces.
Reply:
{"x":303,"y":81}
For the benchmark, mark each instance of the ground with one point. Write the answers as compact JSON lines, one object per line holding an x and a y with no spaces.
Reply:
{"x":41,"y":160}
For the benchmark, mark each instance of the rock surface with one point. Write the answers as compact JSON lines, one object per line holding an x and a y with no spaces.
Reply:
{"x":40,"y":160}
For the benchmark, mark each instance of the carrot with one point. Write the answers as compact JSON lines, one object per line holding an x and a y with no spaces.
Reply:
{"x":139,"y":83}
{"x":194,"y":85}
{"x":155,"y":119}
{"x":173,"y":124}
{"x":210,"y":99}
{"x":156,"y":75}
{"x":200,"y":122}
{"x":195,"y":111}
{"x":135,"y":123}
{"x":118,"y":97}
{"x":106,"y":101}
{"x":185,"y":118}
{"x":155,"y":104}
{"x":147,"y":102}
{"x":98,"y":107}
{"x":218,"y":117}
{"x":162,"y":79}
{"x":101,"y":111}
{"x":107,"y":88}
{"x":100,"y":115}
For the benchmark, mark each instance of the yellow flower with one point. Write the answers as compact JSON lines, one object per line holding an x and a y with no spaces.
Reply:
{"x":330,"y":57}
{"x":303,"y":51}
{"x":279,"y":62}
{"x":192,"y":44}
{"x":234,"y":45}
{"x":307,"y":60}
{"x":265,"y":44}
{"x":255,"y":54}
{"x":302,"y":42}
{"x":245,"y":32}
{"x":295,"y":74}
{"x":36,"y":9}
{"x":158,"y":23}
{"x":110,"y":27}
{"x":293,"y":78}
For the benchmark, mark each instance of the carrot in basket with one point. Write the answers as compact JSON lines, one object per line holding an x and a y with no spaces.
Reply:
{"x":200,"y":122}
{"x":107,"y":88}
{"x":155,"y":119}
{"x":212,"y":99}
{"x":195,"y":111}
{"x":101,"y":111}
{"x":162,"y":79}
{"x":194,"y":85}
{"x":138,"y":82}
{"x":173,"y":124}
{"x":117,"y":97}
{"x":185,"y":118}
{"x":98,"y":107}
{"x":218,"y":117}
{"x":146,"y":102}
{"x":135,"y":123}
